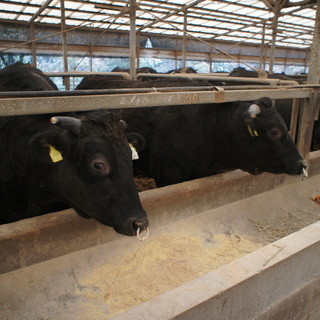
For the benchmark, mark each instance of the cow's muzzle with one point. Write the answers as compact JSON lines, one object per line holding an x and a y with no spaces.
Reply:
{"x":132,"y":225}
{"x":301,"y":168}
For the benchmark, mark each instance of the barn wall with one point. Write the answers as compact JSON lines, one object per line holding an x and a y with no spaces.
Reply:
{"x":115,"y":43}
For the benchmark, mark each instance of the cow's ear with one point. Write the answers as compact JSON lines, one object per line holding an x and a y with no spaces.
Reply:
{"x":136,"y":140}
{"x":123,"y":124}
{"x":264,"y":102}
{"x":47,"y":146}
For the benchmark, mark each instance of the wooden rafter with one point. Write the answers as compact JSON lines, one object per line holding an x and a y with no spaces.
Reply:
{"x":203,"y":17}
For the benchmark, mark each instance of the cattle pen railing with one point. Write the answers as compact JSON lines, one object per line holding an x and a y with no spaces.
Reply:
{"x":223,"y":77}
{"x":305,"y":108}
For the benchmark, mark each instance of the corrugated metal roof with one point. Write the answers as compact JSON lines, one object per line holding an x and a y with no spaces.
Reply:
{"x":240,"y":21}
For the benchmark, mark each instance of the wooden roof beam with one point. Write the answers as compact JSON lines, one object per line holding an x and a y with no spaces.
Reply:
{"x":182,"y":8}
{"x":41,"y":9}
{"x":267,"y":3}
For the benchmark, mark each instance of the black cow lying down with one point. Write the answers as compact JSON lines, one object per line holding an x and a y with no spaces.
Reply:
{"x":189,"y":142}
{"x":83,"y":161}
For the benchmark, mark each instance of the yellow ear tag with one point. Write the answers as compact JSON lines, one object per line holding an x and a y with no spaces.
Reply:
{"x":55,"y":155}
{"x":253,"y":133}
{"x":135,"y":155}
{"x":250,"y":131}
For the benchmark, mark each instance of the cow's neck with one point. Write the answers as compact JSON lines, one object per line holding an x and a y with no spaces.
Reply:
{"x":228,"y":124}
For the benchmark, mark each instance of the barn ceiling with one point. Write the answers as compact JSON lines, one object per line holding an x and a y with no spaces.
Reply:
{"x":239,"y":21}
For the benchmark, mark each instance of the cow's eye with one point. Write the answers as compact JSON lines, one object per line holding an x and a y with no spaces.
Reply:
{"x":275,"y":133}
{"x":100,"y":166}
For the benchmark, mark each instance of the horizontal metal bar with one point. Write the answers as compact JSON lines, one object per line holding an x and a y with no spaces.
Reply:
{"x":23,"y":106}
{"x":124,"y":75}
{"x":54,"y":93}
{"x":195,"y":76}
{"x":222,"y":74}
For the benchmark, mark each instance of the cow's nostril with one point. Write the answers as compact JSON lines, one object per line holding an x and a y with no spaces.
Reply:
{"x":140,"y":224}
{"x":303,"y":164}
{"x":302,"y":168}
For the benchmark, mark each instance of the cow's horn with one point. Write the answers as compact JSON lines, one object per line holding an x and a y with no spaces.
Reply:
{"x":68,"y":123}
{"x":123,"y":124}
{"x":254,"y":109}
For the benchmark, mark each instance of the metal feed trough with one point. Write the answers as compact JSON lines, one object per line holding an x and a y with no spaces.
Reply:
{"x":230,"y":246}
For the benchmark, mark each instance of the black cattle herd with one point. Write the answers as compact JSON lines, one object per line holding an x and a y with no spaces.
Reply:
{"x":83,"y":160}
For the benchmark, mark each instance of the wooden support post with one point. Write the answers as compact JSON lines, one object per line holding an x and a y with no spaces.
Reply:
{"x":66,"y":80}
{"x":294,"y":119}
{"x":276,"y":11}
{"x":262,"y":48}
{"x":138,"y":49}
{"x":305,"y":65}
{"x":314,"y":67}
{"x":285,"y":60}
{"x":211,"y":60}
{"x":133,"y":40}
{"x":90,"y":52}
{"x":184,"y":39}
{"x":309,"y":107}
{"x":176,"y":56}
{"x":33,"y":45}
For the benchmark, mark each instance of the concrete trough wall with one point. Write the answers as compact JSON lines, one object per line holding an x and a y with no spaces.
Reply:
{"x":278,"y":281}
{"x":38,"y":239}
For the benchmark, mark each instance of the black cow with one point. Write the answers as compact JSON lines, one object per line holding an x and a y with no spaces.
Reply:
{"x":146,"y":70}
{"x":242,"y":72}
{"x":24,"y":77}
{"x":189,"y":142}
{"x":182,"y":70}
{"x":138,"y":70}
{"x":283,"y":106}
{"x":81,"y":160}
{"x":105,"y":82}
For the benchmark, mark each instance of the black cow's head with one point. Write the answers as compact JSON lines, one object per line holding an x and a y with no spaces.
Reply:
{"x":264,"y":142}
{"x":24,"y":77}
{"x":89,"y":165}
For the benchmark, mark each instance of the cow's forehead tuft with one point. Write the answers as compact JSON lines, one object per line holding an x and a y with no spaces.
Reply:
{"x":104,"y":124}
{"x":272,"y":118}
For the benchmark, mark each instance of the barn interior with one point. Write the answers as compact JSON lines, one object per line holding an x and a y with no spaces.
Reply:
{"x":225,"y":246}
